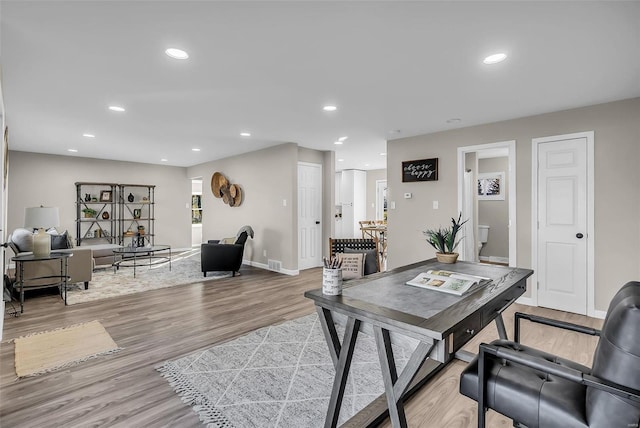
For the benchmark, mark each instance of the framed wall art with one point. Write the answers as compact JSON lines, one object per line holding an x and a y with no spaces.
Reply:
{"x":420,"y":170}
{"x":491,"y":186}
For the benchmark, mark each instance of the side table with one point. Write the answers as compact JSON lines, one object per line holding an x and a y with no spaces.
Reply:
{"x":60,"y":281}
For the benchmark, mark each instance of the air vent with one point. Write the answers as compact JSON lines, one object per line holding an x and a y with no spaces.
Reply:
{"x":275,"y":265}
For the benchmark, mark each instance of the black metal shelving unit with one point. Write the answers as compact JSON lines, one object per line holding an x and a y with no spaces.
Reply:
{"x":95,"y":228}
{"x":137,"y":217}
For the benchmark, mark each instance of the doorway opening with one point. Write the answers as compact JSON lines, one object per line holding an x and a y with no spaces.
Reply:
{"x":381,"y":200}
{"x":487,"y":199}
{"x":196,"y":212}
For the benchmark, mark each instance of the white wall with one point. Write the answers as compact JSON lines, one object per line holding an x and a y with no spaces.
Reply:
{"x":268,"y":178}
{"x":39,"y":179}
{"x":373,"y":176}
{"x":617,"y":178}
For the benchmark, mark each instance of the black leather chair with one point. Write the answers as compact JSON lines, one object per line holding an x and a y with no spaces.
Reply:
{"x":537,"y":389}
{"x":217,"y":257}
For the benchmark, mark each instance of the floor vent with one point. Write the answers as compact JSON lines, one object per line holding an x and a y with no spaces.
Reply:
{"x":275,"y":265}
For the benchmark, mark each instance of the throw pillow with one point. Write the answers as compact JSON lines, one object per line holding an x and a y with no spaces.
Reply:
{"x":22,"y":240}
{"x":352,"y":265}
{"x":60,"y":242}
{"x":371,"y":260}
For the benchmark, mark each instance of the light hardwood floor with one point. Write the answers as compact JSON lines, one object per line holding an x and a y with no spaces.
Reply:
{"x":124,"y":389}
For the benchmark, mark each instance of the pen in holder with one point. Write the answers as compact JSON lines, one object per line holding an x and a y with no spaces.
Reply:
{"x":332,"y":277}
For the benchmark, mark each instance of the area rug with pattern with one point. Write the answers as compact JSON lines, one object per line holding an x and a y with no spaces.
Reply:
{"x":48,"y":351}
{"x":277,"y":376}
{"x":106,"y":283}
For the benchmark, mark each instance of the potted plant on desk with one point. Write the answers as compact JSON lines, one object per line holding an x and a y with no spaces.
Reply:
{"x":444,"y":240}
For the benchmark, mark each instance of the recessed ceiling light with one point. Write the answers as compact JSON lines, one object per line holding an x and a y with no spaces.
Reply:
{"x":341,"y":160}
{"x":342,"y":138}
{"x":176,"y":53}
{"x":163,"y":160}
{"x":337,"y":142}
{"x":329,"y":108}
{"x":116,"y":108}
{"x":245,"y":134}
{"x":89,"y":135}
{"x":383,"y":154}
{"x":195,"y":149}
{"x":72,"y":150}
{"x":366,"y":164}
{"x":495,"y":58}
{"x":454,"y":120}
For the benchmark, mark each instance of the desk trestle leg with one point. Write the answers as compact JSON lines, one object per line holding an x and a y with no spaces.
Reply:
{"x":342,"y":371}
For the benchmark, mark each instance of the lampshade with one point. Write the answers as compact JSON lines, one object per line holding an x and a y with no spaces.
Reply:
{"x":41,"y":217}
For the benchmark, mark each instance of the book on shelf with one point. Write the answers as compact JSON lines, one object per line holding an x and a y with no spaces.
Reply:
{"x":447,"y":281}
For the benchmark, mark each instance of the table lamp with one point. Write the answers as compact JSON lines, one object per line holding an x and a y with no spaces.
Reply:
{"x":41,"y":218}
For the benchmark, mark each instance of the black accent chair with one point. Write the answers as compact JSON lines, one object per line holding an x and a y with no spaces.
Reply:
{"x":537,"y":389}
{"x":217,"y":257}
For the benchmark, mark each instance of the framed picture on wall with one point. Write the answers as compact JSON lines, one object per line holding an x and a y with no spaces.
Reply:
{"x":420,"y":170}
{"x":491,"y":186}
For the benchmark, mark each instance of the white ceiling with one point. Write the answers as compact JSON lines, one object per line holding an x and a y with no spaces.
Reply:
{"x":269,"y":67}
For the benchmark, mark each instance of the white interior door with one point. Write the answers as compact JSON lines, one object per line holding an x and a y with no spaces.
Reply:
{"x":562,"y":225}
{"x":309,"y":215}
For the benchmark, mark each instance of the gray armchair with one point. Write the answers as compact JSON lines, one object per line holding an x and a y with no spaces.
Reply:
{"x":221,"y":257}
{"x":538,"y":389}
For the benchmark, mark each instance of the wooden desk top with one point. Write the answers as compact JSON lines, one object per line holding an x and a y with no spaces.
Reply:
{"x":384,"y":298}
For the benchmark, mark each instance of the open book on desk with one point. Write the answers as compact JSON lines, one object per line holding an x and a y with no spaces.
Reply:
{"x":447,"y":281}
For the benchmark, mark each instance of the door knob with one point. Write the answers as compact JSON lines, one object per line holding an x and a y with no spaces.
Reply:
{"x":579,"y":235}
{"x":317,"y":222}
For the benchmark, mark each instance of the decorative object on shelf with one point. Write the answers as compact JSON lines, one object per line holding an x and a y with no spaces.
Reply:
{"x":106,"y":196}
{"x":444,"y":240}
{"x":97,"y":233}
{"x":145,"y":199}
{"x":89,"y":212}
{"x":94,"y":199}
{"x":420,"y":170}
{"x":41,"y":218}
{"x":130,"y":198}
{"x":141,"y":230}
{"x":137,"y":213}
{"x":105,"y":215}
{"x":87,"y":197}
{"x":231,"y":194}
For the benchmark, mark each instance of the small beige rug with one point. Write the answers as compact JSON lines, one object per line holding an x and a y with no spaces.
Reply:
{"x":52,"y":350}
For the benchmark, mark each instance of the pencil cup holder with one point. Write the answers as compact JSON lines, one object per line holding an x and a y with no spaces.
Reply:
{"x":332,"y":281}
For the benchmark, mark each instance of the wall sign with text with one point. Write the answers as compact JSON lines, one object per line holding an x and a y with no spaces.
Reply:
{"x":420,"y":170}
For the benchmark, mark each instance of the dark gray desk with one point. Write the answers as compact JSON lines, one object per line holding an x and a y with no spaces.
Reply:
{"x":441,"y":322}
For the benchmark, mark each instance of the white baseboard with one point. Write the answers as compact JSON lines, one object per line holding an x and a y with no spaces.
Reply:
{"x":529,"y":302}
{"x":525,"y":301}
{"x":266,"y":267}
{"x":600,"y":314}
{"x":494,"y":259}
